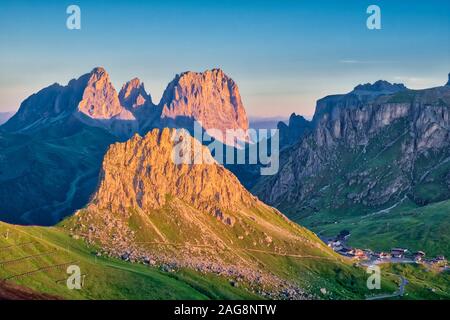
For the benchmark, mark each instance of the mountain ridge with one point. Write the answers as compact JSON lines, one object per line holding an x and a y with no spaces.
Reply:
{"x":365,"y":154}
{"x":151,"y":208}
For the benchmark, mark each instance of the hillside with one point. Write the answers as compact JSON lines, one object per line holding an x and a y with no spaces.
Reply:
{"x":379,"y":147}
{"x":45,"y":176}
{"x":424,"y":228}
{"x":51,"y":150}
{"x":198,"y":216}
{"x":34,"y":262}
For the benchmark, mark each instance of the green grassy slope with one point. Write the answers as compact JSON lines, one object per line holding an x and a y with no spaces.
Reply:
{"x":293,"y":253}
{"x":43,"y":249}
{"x":417,"y":228}
{"x":422,"y":283}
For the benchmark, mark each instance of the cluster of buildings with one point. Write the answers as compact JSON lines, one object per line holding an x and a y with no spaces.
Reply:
{"x":395,"y":255}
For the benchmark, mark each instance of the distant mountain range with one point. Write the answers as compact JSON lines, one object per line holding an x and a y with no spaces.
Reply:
{"x":59,"y":135}
{"x":148,"y":208}
{"x":100,"y":167}
{"x":380,"y":147}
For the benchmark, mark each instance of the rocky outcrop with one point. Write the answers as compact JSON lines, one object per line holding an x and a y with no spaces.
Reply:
{"x":210,"y":97}
{"x":296,"y":128}
{"x":143,"y":171}
{"x":367,"y":153}
{"x":100,"y":106}
{"x":100,"y":100}
{"x":163,"y":200}
{"x":90,"y":99}
{"x":133,"y":95}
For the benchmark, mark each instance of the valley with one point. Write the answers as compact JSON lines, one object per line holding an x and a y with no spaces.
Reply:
{"x":97,"y":169}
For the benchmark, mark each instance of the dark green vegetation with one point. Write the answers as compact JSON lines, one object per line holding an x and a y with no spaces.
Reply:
{"x":379,"y":168}
{"x":416,"y":228}
{"x":422,"y":283}
{"x":49,"y":251}
{"x":44,"y":253}
{"x":294,"y":253}
{"x":55,"y":170}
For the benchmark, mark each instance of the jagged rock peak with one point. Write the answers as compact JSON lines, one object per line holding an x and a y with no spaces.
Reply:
{"x":448,"y":82}
{"x":210,"y":97}
{"x":143,"y":171}
{"x":99,"y":72}
{"x":100,"y":100}
{"x":133,"y":94}
{"x":295,"y":119}
{"x":381,"y":86}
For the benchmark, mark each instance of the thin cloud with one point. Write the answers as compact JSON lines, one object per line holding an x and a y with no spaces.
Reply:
{"x":352,"y":61}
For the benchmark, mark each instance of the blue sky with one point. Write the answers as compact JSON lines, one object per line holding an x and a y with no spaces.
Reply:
{"x":284,"y":55}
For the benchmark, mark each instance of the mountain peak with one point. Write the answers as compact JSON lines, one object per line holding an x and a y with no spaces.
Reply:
{"x":99,"y":71}
{"x":159,"y":163}
{"x":380,"y":86}
{"x":100,"y":100}
{"x":210,"y":97}
{"x":448,"y":82}
{"x":296,"y":128}
{"x":133,"y":94}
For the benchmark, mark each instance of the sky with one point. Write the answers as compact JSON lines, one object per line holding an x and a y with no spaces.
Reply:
{"x":284,"y":55}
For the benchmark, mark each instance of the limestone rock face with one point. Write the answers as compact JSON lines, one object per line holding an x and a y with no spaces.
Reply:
{"x":100,"y":100}
{"x":135,"y":99}
{"x":163,"y":198}
{"x":365,"y":150}
{"x":133,"y":95}
{"x":211,"y":98}
{"x":142,"y":172}
{"x":291,"y":133}
{"x":100,"y":106}
{"x":90,"y":99}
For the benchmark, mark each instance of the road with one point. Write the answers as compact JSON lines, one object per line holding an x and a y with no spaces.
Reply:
{"x":399,"y":293}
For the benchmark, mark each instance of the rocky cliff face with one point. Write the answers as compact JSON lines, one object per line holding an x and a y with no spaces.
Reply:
{"x":296,"y":128}
{"x":90,"y":99}
{"x":151,"y":206}
{"x":79,"y":121}
{"x":367,"y":153}
{"x":133,"y":95}
{"x":143,"y":171}
{"x":100,"y":106}
{"x":211,"y":98}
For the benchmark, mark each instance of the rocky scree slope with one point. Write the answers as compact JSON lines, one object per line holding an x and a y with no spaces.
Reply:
{"x":153,"y":209}
{"x":370,"y":149}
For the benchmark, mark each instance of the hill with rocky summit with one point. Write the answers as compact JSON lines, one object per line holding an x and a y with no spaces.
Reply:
{"x":90,"y":99}
{"x":366,"y":154}
{"x":294,"y":130}
{"x":151,"y":207}
{"x":211,"y":98}
{"x":53,"y":146}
